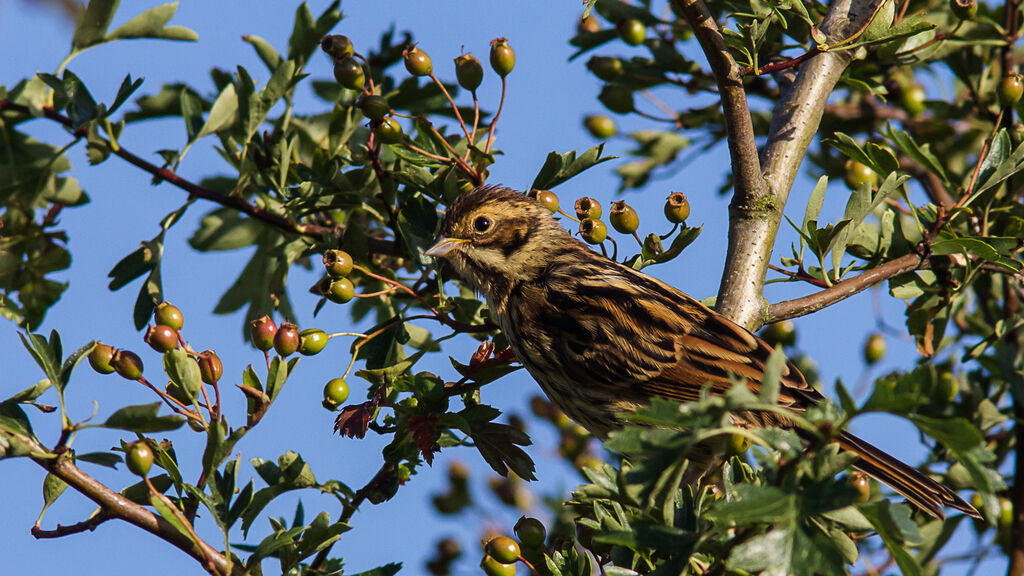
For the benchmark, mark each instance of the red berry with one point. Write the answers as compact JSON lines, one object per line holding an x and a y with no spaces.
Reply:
{"x":503,"y":58}
{"x":100,"y":356}
{"x":286,"y":341}
{"x":210,"y":367}
{"x":168,"y":315}
{"x":161,"y":338}
{"x":262,"y":330}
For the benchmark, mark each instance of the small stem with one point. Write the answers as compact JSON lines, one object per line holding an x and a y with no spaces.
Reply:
{"x":455,"y":108}
{"x":494,"y":121}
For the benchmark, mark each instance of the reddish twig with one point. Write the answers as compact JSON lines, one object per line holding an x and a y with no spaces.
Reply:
{"x":776,"y":66}
{"x":84,"y":526}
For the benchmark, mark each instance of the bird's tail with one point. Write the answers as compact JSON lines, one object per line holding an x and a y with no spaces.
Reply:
{"x":920,"y":490}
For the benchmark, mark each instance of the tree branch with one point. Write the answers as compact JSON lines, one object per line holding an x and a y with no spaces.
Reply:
{"x":89,"y":525}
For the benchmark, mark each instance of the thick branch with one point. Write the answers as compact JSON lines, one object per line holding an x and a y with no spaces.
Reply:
{"x":115,"y":505}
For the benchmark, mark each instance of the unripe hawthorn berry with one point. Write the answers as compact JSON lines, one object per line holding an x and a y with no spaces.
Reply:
{"x":389,"y":131}
{"x":780,"y":333}
{"x":736,"y":445}
{"x":593,"y":231}
{"x":588,"y":25}
{"x":531,"y":532}
{"x":349,"y":73}
{"x":912,"y":98}
{"x":168,"y":315}
{"x":503,"y":549}
{"x":492,"y":567}
{"x":312,"y":341}
{"x":1010,"y":90}
{"x":338,"y":263}
{"x":677,"y":208}
{"x":374,"y":107}
{"x":964,"y":9}
{"x":335,"y":393}
{"x":617,"y":98}
{"x":469,"y":72}
{"x":503,"y":58}
{"x":210,"y":367}
{"x":605,"y":67}
{"x":600,"y":127}
{"x":623,"y":218}
{"x":341,"y":291}
{"x":547,"y":198}
{"x":862,"y":483}
{"x":632,"y":31}
{"x":127,"y":364}
{"x":161,"y":338}
{"x":874,"y":349}
{"x":286,"y":341}
{"x":139,"y":457}
{"x":100,"y":356}
{"x":262,"y":330}
{"x":856,"y":174}
{"x":587,"y":207}
{"x":947,"y":387}
{"x":337,"y":45}
{"x":417,"y":62}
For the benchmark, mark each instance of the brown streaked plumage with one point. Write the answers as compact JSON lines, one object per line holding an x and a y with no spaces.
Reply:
{"x":601,"y":338}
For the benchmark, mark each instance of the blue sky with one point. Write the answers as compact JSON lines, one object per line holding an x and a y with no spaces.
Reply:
{"x":548,"y":96}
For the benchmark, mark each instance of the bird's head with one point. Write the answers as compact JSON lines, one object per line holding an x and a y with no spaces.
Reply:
{"x":495,"y":237}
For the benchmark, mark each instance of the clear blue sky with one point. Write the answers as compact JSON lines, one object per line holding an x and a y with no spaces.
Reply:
{"x":548,"y":96}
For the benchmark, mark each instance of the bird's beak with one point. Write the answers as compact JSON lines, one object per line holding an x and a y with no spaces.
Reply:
{"x":444,"y":246}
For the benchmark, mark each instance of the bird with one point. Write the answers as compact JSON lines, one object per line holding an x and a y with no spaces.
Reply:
{"x":601,"y":339}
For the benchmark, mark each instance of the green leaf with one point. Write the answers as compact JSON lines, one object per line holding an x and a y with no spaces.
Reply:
{"x":153,"y":24}
{"x":559,"y":168}
{"x":265,"y":51}
{"x":385,"y":570}
{"x":143,"y":418}
{"x":183,"y":370}
{"x":499,"y":445}
{"x":968,"y":446}
{"x":53,"y":487}
{"x":108,"y":459}
{"x":893,"y":524}
{"x":163,"y":507}
{"x":92,"y":23}
{"x":921,"y":154}
{"x":225,"y":229}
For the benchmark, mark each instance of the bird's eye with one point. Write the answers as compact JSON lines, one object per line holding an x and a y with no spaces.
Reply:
{"x":482,"y":224}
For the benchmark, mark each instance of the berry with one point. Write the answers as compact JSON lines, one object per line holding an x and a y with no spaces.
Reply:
{"x":503,"y":58}
{"x":448,"y":549}
{"x":337,"y":45}
{"x":623,"y":218}
{"x":677,"y":208}
{"x":588,"y":25}
{"x":286,"y":341}
{"x":169,"y":315}
{"x":492,"y":567}
{"x":1005,"y":519}
{"x":417,"y":62}
{"x":947,"y":387}
{"x":780,"y":333}
{"x":736,"y":444}
{"x":617,"y":98}
{"x":547,"y":198}
{"x":341,"y":291}
{"x":862,"y":483}
{"x":389,"y":131}
{"x":349,"y":73}
{"x":964,"y":9}
{"x":856,"y":174}
{"x":469,"y":72}
{"x":632,"y":31}
{"x":600,"y":127}
{"x":338,"y":263}
{"x":874,"y":349}
{"x":912,"y":98}
{"x":127,"y":364}
{"x":593,"y":231}
{"x":587,"y":208}
{"x":312,"y":341}
{"x":335,"y":393}
{"x":262,"y":330}
{"x":503,"y":549}
{"x":605,"y":67}
{"x":1010,"y":90}
{"x":531,"y":532}
{"x":100,"y":356}
{"x":210,"y":367}
{"x":139,"y":457}
{"x":161,"y":338}
{"x":374,"y":107}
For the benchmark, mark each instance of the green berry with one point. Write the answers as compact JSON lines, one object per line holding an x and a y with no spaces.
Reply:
{"x":874,"y":349}
{"x":503,"y":58}
{"x":139,"y":457}
{"x":286,"y":341}
{"x":862,"y":483}
{"x":677,"y":208}
{"x":547,"y":198}
{"x":168,"y":315}
{"x":503,"y":549}
{"x":947,"y":387}
{"x":389,"y":131}
{"x":605,"y":67}
{"x":338,"y":263}
{"x":262,"y":330}
{"x":964,"y":9}
{"x":600,"y":127}
{"x":341,"y":291}
{"x":912,"y":98}
{"x":1005,"y":519}
{"x":337,"y":45}
{"x":374,"y":107}
{"x":1010,"y":90}
{"x":161,"y":338}
{"x":617,"y":98}
{"x":736,"y":445}
{"x":335,"y":392}
{"x":855,"y":174}
{"x":210,"y":367}
{"x":349,"y":73}
{"x":417,"y":62}
{"x":531,"y":532}
{"x":127,"y":364}
{"x":623,"y":218}
{"x":312,"y":341}
{"x":780,"y":334}
{"x":492,"y":567}
{"x":587,"y":208}
{"x":632,"y":31}
{"x":593,"y":231}
{"x":469,"y":72}
{"x":100,"y":357}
